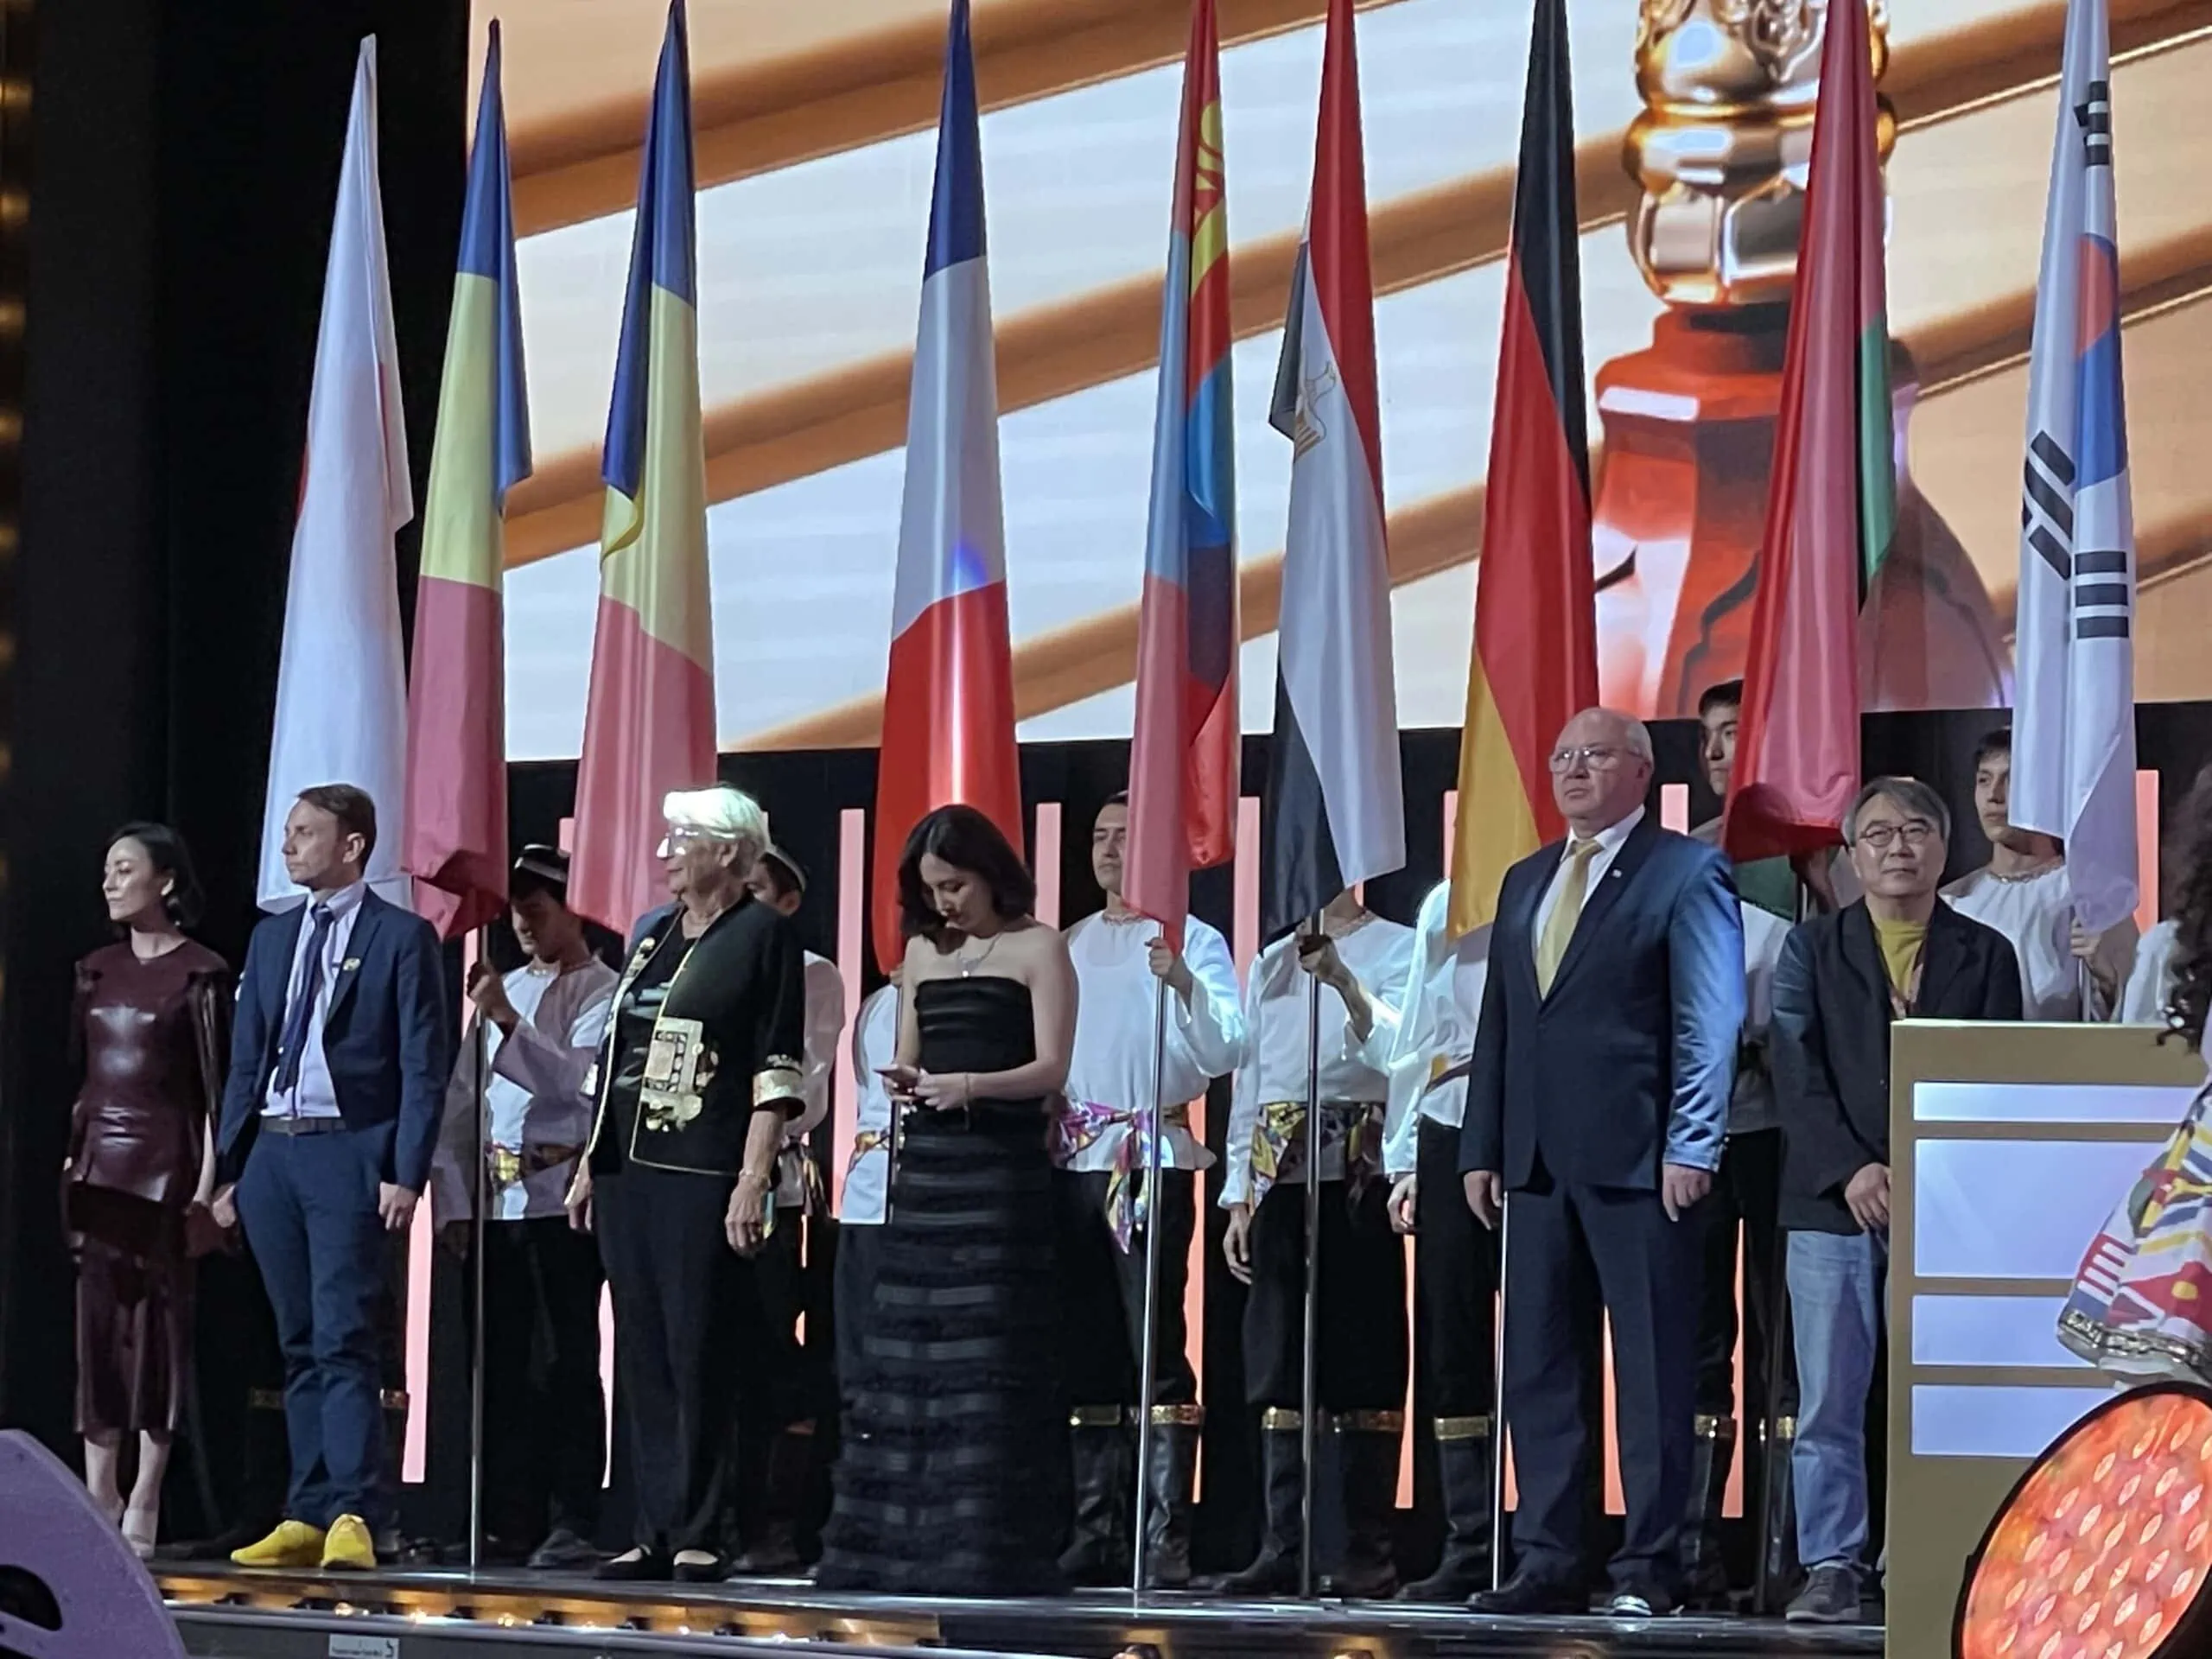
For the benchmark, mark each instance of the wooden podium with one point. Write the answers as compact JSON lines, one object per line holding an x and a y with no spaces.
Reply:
{"x":2010,"y":1146}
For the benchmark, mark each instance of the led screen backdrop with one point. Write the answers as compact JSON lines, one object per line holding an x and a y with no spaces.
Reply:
{"x":814,"y":145}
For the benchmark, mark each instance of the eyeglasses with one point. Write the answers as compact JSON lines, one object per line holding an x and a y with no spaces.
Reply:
{"x":679,"y":838}
{"x":1913,"y":832}
{"x":1595,"y":757}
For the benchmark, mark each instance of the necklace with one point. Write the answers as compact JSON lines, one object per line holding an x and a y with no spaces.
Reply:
{"x":969,"y":964}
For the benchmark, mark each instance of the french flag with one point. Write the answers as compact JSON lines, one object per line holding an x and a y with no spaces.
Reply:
{"x":1334,"y":813}
{"x":948,"y":696}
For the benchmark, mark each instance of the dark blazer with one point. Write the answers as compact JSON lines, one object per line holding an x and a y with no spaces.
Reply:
{"x":384,"y":1038}
{"x":1830,"y":1042}
{"x":1630,"y":1062}
{"x":743,"y":987}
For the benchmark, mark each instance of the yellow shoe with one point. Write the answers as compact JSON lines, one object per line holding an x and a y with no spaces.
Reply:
{"x":349,"y":1548}
{"x":293,"y":1543}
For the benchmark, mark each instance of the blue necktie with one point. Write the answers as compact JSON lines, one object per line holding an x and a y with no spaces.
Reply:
{"x":299,"y":1014}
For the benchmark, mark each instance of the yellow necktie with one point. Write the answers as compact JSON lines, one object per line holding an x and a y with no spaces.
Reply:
{"x":1559,"y":926}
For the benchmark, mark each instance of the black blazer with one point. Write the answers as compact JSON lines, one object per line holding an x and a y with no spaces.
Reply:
{"x":1630,"y":1062}
{"x":1830,"y":1042}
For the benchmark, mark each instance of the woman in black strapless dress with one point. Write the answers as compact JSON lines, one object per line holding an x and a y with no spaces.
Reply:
{"x":951,"y":1479}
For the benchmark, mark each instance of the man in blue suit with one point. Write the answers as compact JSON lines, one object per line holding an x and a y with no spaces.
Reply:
{"x":1599,"y":1099}
{"x":337,"y":1062}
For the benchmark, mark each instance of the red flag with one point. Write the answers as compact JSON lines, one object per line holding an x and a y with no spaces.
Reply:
{"x":1183,"y":764}
{"x":1832,"y":509}
{"x":1535,"y":661}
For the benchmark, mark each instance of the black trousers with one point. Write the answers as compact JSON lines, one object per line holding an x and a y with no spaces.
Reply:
{"x":858,"y":1244}
{"x":1746,"y":1194}
{"x":1646,"y":1268}
{"x":1455,"y":1285}
{"x":1362,"y":1352}
{"x":545,"y":1417}
{"x":1102,"y":1297}
{"x":673,"y":1274}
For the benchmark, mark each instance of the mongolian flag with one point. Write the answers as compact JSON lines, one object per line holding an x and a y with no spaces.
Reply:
{"x":1536,"y":660}
{"x":1335,"y":813}
{"x":456,"y":720}
{"x":948,"y":696}
{"x":1832,"y":506}
{"x":2074,"y":725}
{"x":649,"y":727}
{"x":1183,"y":766}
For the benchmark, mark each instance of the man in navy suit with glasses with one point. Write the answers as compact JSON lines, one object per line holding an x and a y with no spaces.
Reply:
{"x":338,"y":1066}
{"x":1599,"y":1099}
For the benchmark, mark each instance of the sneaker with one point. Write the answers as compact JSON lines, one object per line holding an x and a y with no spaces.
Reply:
{"x":294,"y":1543}
{"x":1830,"y":1597}
{"x":349,"y":1548}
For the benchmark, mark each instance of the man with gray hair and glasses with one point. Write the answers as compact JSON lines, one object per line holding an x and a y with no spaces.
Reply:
{"x":1899,"y":953}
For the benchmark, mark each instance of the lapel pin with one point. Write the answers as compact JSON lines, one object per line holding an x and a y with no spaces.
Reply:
{"x":350,"y":964}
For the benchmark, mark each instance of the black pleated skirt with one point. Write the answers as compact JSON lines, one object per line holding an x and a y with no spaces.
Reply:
{"x":953,"y":1479}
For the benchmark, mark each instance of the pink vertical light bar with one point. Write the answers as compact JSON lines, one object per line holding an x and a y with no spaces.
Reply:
{"x":852,"y":917}
{"x":2146,"y":851}
{"x":421,"y":1240}
{"x":606,"y":1378}
{"x":1675,"y":807}
{"x":1046,"y":839}
{"x":567,"y":834}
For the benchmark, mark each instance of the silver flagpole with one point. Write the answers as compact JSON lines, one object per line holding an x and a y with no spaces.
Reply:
{"x":476,"y":1344}
{"x":1498,"y":1397}
{"x":1148,"y":1358}
{"x":1308,"y":1392}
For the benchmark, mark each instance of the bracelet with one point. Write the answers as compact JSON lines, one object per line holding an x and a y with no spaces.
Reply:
{"x":745,"y":1175}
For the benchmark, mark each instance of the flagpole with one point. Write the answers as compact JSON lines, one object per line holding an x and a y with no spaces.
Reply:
{"x":1498,"y":1392}
{"x":1308,"y":1392}
{"x":476,"y":1342}
{"x":1147,"y":1359}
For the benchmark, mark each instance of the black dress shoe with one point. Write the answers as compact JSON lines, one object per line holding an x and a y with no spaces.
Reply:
{"x":1523,"y":1595}
{"x":635,"y":1567}
{"x":563,"y":1551}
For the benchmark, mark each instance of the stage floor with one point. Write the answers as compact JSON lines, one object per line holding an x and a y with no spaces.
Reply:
{"x":450,"y":1615}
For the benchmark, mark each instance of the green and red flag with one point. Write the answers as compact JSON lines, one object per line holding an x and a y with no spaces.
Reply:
{"x":1831,"y":505}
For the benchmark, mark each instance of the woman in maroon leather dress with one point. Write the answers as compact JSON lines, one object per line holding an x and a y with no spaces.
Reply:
{"x":152,"y":1012}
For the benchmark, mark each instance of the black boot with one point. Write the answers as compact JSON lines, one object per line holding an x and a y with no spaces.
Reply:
{"x":1274,"y":1570}
{"x":1367,"y":1456}
{"x":1098,"y":1549}
{"x":1464,"y":1470}
{"x":1705,"y":1573}
{"x":1171,"y":1464}
{"x":773,"y":1551}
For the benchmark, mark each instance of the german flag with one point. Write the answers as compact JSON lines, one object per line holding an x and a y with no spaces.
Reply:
{"x":1535,"y":661}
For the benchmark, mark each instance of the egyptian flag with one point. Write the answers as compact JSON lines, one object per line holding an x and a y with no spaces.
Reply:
{"x":1182,"y":764}
{"x":649,"y":727}
{"x":1536,"y":660}
{"x":456,"y":721}
{"x":948,"y":696}
{"x":1832,"y":503}
{"x":1335,"y":809}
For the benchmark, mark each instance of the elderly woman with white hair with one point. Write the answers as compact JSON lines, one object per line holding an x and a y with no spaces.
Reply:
{"x":700,"y":1070}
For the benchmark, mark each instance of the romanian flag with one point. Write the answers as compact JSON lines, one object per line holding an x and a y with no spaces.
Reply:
{"x":456,"y":718}
{"x":1832,"y":507}
{"x":650,"y":725}
{"x":1183,"y":766}
{"x":948,"y":696}
{"x":1334,"y":813}
{"x":1535,"y":661}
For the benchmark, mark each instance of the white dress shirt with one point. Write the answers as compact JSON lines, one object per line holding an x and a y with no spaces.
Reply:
{"x":2037,"y":914}
{"x":535,"y":1094}
{"x":1752,"y":1106}
{"x":1381,"y":954}
{"x":867,"y":1169}
{"x":1111,"y":1067}
{"x":1429,"y":1028}
{"x":314,"y":1095}
{"x":1609,"y":840}
{"x":825,"y":1027}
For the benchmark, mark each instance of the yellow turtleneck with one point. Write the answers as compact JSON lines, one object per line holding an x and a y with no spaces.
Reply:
{"x":1901,"y":943}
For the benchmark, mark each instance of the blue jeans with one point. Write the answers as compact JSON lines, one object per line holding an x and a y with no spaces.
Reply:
{"x":1837,"y":1286}
{"x":308,"y":1205}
